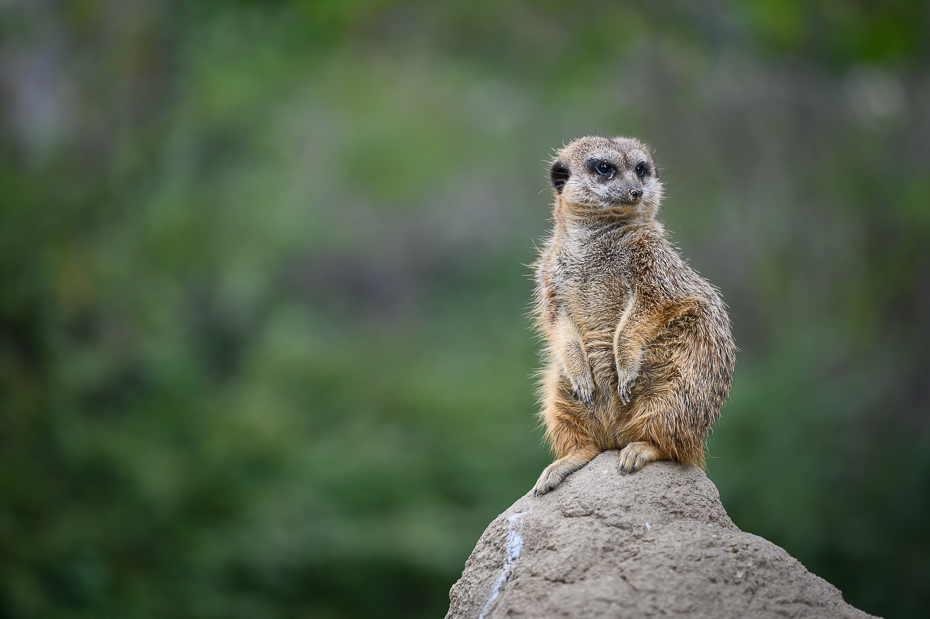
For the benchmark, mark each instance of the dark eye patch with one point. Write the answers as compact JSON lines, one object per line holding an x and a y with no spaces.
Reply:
{"x":642,"y":169}
{"x":605,"y":170}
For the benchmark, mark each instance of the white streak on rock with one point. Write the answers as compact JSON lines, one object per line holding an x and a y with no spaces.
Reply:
{"x":514,"y":546}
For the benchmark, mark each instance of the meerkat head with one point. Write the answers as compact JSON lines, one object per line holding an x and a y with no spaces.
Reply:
{"x":607,"y":178}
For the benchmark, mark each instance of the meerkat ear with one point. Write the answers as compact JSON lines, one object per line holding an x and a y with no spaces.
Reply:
{"x":559,"y":175}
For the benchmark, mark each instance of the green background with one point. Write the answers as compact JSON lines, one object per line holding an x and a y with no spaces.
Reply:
{"x":264,"y":345}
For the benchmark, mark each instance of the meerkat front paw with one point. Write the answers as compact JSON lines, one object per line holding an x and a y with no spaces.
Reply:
{"x":625,"y":379}
{"x":583,"y":388}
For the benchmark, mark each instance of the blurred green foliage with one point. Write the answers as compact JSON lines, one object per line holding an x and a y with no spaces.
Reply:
{"x":263,"y":337}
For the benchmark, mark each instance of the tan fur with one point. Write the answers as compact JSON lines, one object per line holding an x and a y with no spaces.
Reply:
{"x":639,"y":349}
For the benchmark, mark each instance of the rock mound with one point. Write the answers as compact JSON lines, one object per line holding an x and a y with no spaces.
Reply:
{"x":657,"y":542}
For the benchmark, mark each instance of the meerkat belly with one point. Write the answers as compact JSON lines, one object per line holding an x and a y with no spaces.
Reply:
{"x":597,"y":312}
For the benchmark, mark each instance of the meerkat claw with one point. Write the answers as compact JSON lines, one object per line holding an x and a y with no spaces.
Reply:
{"x":623,"y":391}
{"x":583,"y":391}
{"x":587,"y":399}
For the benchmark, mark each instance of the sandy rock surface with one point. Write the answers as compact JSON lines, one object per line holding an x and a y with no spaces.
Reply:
{"x":654,"y":543}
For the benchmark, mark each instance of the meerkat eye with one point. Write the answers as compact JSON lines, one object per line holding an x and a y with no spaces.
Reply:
{"x":604,"y":169}
{"x":642,"y":170}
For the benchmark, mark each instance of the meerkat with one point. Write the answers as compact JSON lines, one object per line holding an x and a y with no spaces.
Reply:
{"x":638,"y":346}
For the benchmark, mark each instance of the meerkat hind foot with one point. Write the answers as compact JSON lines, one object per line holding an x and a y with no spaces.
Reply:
{"x":555,"y":473}
{"x":636,"y":455}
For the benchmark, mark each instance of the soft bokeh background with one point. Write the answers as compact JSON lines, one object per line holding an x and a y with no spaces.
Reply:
{"x":263,"y":288}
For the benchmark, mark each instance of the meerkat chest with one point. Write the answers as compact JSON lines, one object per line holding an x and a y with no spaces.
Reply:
{"x":595,"y":285}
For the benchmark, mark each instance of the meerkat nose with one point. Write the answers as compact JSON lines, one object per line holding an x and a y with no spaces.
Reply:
{"x":636,"y":194}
